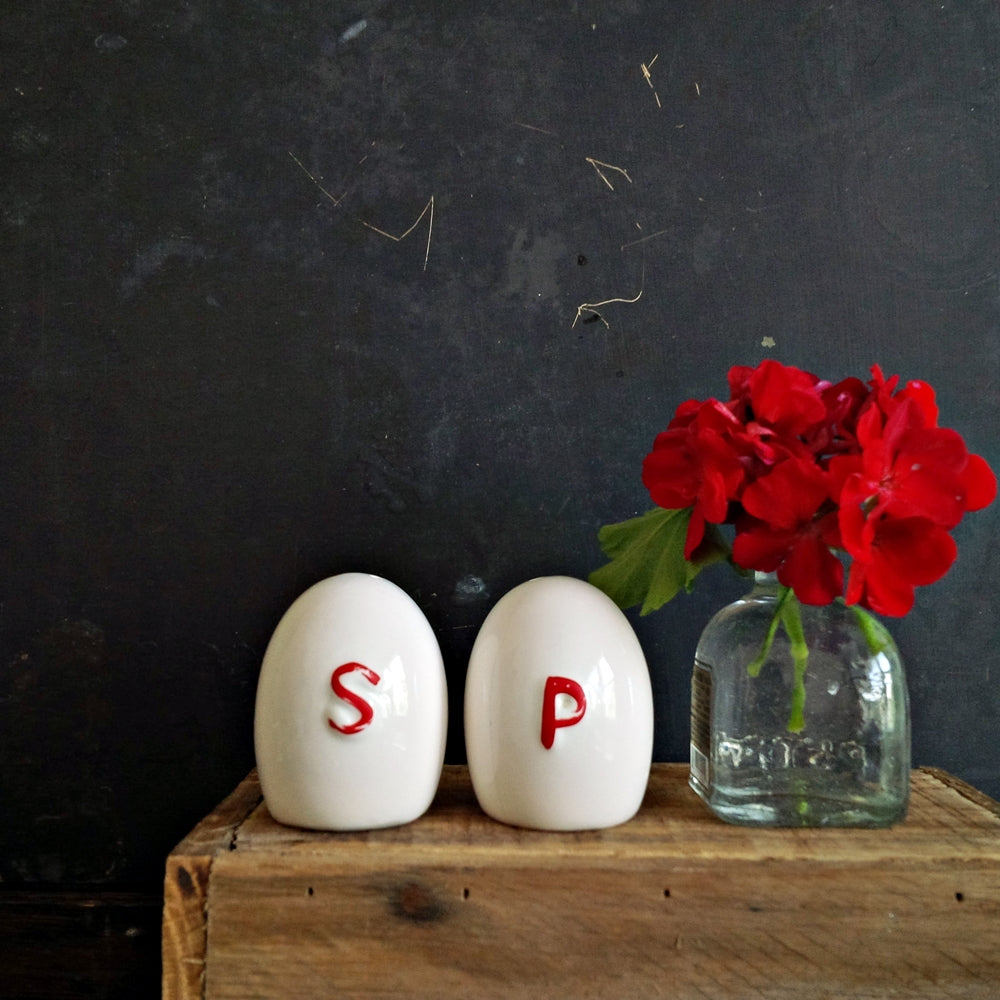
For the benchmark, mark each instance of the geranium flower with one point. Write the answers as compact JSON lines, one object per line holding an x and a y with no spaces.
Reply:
{"x":837,"y":434}
{"x":907,"y":469}
{"x":904,"y":553}
{"x":791,"y":530}
{"x":805,"y":469}
{"x":694,"y":466}
{"x":779,"y":409}
{"x":885,"y":397}
{"x":786,"y":399}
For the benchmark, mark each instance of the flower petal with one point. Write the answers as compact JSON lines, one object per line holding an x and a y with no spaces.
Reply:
{"x":759,"y":546}
{"x":980,"y":483}
{"x":784,"y":396}
{"x":789,"y":495}
{"x":914,"y":549}
{"x":812,"y":571}
{"x":884,"y":593}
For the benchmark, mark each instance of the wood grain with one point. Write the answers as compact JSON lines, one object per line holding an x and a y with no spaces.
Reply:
{"x":186,"y":884}
{"x":673,"y":903}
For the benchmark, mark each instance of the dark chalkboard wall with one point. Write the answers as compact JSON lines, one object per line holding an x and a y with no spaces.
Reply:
{"x":231,"y":367}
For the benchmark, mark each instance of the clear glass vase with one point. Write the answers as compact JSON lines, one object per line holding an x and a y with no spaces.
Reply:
{"x":799,"y":715}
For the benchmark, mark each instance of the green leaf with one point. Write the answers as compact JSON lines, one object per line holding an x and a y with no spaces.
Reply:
{"x":647,"y":564}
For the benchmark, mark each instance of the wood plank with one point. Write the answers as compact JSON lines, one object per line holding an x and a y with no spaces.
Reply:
{"x":185,"y":892}
{"x":772,"y":930}
{"x":672,"y":903}
{"x":942,"y":821}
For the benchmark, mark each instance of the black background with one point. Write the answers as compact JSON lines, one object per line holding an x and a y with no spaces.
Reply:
{"x":222,"y":382}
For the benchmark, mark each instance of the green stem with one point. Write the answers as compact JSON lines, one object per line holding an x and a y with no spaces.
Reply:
{"x":875,"y":633}
{"x":791,"y":618}
{"x":755,"y":665}
{"x":788,"y":614}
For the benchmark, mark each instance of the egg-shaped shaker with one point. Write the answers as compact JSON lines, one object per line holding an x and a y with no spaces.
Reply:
{"x":351,"y":712}
{"x":558,"y":709}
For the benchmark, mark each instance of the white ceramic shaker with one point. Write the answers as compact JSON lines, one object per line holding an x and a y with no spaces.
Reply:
{"x":352,"y":708}
{"x":558,"y":709}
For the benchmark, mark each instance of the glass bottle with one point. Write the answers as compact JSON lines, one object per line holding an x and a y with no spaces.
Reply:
{"x":799,"y":714}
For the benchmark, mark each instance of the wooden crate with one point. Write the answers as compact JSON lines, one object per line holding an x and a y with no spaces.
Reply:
{"x":672,"y":904}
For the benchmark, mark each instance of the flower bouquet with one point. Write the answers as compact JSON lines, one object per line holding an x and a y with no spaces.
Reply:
{"x":845,"y":493}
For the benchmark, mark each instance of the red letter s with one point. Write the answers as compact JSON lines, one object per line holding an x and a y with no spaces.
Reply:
{"x":365,"y":712}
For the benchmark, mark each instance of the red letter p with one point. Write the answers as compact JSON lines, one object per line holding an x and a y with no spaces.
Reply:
{"x":550,"y":722}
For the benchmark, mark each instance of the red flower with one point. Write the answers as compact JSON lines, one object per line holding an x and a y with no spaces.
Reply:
{"x":693,"y":465}
{"x":792,"y":528}
{"x":782,"y":412}
{"x":907,"y":469}
{"x":837,"y":434}
{"x":786,"y":399}
{"x":886,"y":399}
{"x":802,"y":467}
{"x":904,"y":553}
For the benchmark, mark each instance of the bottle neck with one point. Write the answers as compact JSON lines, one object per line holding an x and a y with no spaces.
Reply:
{"x":765,"y":583}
